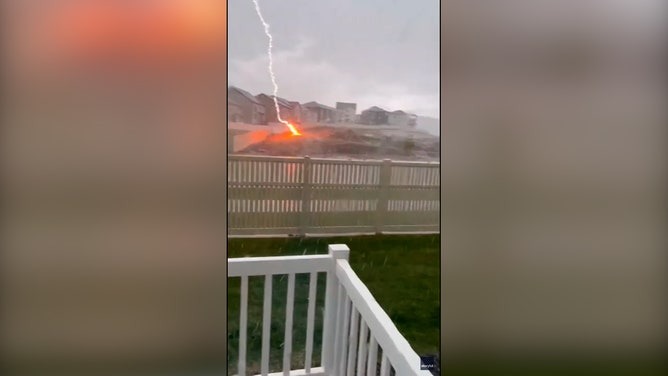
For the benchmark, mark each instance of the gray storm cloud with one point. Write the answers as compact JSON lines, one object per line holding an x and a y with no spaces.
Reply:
{"x":368,"y":53}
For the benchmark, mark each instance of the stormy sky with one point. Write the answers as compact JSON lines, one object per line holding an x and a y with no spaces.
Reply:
{"x":372,"y":52}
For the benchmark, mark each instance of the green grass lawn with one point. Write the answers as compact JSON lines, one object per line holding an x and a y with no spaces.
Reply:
{"x":401,"y":271}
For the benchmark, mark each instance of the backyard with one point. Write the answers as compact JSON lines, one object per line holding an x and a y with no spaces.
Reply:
{"x":401,"y":271}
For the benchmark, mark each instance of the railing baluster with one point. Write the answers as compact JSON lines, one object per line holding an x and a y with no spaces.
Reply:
{"x":361,"y":355}
{"x":266,"y":324}
{"x":352,"y":349}
{"x":287,"y":344}
{"x":384,"y":366}
{"x":346,"y":326}
{"x":338,"y":337}
{"x":373,"y":356}
{"x":243,"y":323}
{"x":310,"y":323}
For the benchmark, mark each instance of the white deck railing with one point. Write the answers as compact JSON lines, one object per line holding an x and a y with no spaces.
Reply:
{"x":285,"y":195}
{"x":355,"y":327}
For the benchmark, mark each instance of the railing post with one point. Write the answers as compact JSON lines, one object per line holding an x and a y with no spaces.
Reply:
{"x":337,"y":252}
{"x":381,"y":208}
{"x":307,"y":185}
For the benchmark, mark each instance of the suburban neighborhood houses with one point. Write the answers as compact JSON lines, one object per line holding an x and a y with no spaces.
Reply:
{"x":319,"y":113}
{"x":402,"y":118}
{"x":347,"y":111}
{"x":247,"y":108}
{"x":290,"y":111}
{"x":243,"y":107}
{"x":374,"y":116}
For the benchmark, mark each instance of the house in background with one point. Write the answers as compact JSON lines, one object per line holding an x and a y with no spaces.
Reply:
{"x":343,"y":117}
{"x":286,"y":107}
{"x":297,"y":112}
{"x":374,"y":116}
{"x":308,"y":115}
{"x":402,"y":118}
{"x":252,"y":110}
{"x":398,"y":117}
{"x":347,"y":112}
{"x":234,"y":111}
{"x":412,"y":120}
{"x":319,"y":113}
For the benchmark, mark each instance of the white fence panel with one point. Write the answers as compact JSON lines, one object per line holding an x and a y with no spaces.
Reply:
{"x":291,"y":196}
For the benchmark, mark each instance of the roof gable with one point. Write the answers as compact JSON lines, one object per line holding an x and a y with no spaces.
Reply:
{"x":245,"y":94}
{"x":375,"y":109}
{"x":281,"y":101}
{"x":314,"y":104}
{"x":346,"y":105}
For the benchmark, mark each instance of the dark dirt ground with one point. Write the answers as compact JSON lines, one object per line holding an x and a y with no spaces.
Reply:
{"x":351,"y":143}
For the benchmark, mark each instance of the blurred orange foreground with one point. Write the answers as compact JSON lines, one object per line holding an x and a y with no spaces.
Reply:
{"x":152,"y":30}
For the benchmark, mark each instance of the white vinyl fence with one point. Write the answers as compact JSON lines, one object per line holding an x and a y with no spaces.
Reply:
{"x":298,"y":196}
{"x":358,"y":336}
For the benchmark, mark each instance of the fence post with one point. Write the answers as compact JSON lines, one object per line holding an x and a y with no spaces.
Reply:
{"x":307,"y":185}
{"x":381,"y":208}
{"x":329,"y":330}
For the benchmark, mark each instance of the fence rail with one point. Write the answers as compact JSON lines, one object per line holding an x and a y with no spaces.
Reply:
{"x":358,"y":336}
{"x":287,"y":195}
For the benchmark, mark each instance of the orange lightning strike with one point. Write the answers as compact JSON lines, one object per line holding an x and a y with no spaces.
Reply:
{"x":292,"y":128}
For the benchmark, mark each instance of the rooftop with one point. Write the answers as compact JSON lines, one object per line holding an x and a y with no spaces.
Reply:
{"x":244,"y":93}
{"x":318,"y":105}
{"x":281,"y":101}
{"x":341,"y":105}
{"x":375,"y":109}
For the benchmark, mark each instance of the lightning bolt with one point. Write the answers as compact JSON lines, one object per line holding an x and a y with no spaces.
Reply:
{"x":271,"y":68}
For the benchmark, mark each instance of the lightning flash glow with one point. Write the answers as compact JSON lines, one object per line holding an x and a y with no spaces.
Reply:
{"x":291,"y":127}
